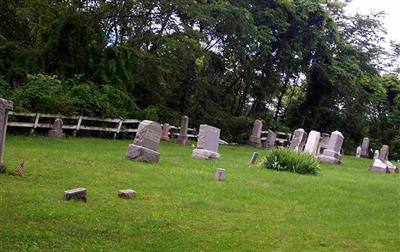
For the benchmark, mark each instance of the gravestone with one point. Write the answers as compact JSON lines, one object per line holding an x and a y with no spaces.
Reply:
{"x":255,"y":137}
{"x":332,"y":153}
{"x":126,"y":194}
{"x":5,"y":107}
{"x":183,"y":137}
{"x":207,"y":143}
{"x":56,"y":131}
{"x":165,"y":132}
{"x":299,"y":140}
{"x":270,"y":141}
{"x":358,"y":152}
{"x":219,"y":174}
{"x":76,"y":194}
{"x":323,"y":143}
{"x":254,"y":158}
{"x":376,"y":154}
{"x":382,"y":166}
{"x":146,"y":143}
{"x":312,"y":143}
{"x":364,"y":147}
{"x":384,"y":153}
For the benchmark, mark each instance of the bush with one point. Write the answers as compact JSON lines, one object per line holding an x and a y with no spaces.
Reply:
{"x":281,"y":159}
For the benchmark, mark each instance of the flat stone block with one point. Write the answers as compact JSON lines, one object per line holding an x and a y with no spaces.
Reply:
{"x":56,"y":134}
{"x":126,"y":194}
{"x":77,"y":194}
{"x":205,"y":154}
{"x":142,"y":154}
{"x":329,"y":159}
{"x":219,"y":174}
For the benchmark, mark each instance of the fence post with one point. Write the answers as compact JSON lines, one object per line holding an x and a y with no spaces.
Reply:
{"x":36,"y":123}
{"x":78,"y":125}
{"x":118,"y":128}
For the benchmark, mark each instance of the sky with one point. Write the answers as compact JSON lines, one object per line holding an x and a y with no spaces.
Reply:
{"x":390,"y":7}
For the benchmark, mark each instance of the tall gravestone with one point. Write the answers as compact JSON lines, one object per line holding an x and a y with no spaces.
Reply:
{"x":255,"y":137}
{"x":332,"y":153}
{"x":57,"y":131}
{"x":270,"y":141}
{"x":183,"y":136}
{"x":384,"y":153}
{"x":312,"y":143}
{"x":165,"y":132}
{"x":364,"y":147}
{"x":207,"y":143}
{"x":299,"y":140}
{"x":146,"y":143}
{"x":323,"y":143}
{"x":5,"y":107}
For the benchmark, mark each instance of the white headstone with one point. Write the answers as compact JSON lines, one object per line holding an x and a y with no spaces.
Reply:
{"x":312,"y":143}
{"x":376,"y":154}
{"x":332,"y":153}
{"x":358,"y":152}
{"x":207,"y":143}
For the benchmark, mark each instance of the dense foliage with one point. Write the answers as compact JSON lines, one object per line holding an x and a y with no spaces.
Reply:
{"x":283,"y":159}
{"x":292,"y":63}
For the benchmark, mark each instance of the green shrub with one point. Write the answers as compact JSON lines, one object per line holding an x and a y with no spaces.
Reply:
{"x":281,"y":159}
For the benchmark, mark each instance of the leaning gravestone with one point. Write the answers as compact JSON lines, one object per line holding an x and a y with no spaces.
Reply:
{"x":5,"y":106}
{"x":312,"y":143}
{"x":384,"y":153}
{"x":364,"y":147}
{"x":146,"y":143}
{"x":323,"y":143}
{"x":299,"y":140}
{"x":358,"y":152}
{"x":270,"y":141}
{"x":332,"y":153}
{"x":255,"y":137}
{"x":207,"y":143}
{"x":183,"y":136}
{"x":56,"y":131}
{"x":165,"y":132}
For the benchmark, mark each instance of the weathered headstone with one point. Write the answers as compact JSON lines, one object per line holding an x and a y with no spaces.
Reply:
{"x":146,"y":143}
{"x":332,"y":153}
{"x":376,"y":154}
{"x":77,"y":194}
{"x":270,"y":141}
{"x":165,"y":132}
{"x":255,"y":137}
{"x":358,"y":152}
{"x":384,"y":153}
{"x":5,"y":106}
{"x":207,"y":143}
{"x":57,"y":131}
{"x":323,"y":143}
{"x":219,"y":174}
{"x":254,"y":158}
{"x":299,"y":140}
{"x":183,"y":136}
{"x":364,"y":147}
{"x":126,"y":193}
{"x":312,"y":143}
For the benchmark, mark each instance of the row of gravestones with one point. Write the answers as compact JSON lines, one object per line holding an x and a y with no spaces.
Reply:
{"x":327,"y":148}
{"x":381,"y":157}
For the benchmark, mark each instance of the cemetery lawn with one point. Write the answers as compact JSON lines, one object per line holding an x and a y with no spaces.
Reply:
{"x":179,"y":207}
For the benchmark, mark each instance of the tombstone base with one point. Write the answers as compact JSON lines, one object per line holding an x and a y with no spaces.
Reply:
{"x":142,"y":154}
{"x":182,"y":140}
{"x":56,"y":134}
{"x":379,"y":166}
{"x":254,"y":141}
{"x":205,"y":154}
{"x":330,"y":157}
{"x":165,"y":138}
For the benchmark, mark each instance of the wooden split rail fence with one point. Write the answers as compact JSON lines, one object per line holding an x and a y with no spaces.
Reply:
{"x":35,"y":121}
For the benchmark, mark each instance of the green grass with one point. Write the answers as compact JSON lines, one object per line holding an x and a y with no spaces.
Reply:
{"x":179,"y":207}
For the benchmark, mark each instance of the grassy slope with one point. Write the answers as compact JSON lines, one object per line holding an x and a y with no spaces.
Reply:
{"x":180,"y":207}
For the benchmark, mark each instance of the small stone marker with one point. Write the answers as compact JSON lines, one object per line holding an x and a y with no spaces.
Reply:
{"x":146,"y":143}
{"x":358,"y":152}
{"x":219,"y":174}
{"x":126,"y":194}
{"x":332,"y":153}
{"x":254,"y":158}
{"x":384,"y":153}
{"x":299,"y":140}
{"x":207,"y":143}
{"x":312,"y":143}
{"x":364,"y":147}
{"x":56,"y":131}
{"x":255,"y":137}
{"x":77,"y":194}
{"x":376,"y":154}
{"x":270,"y":141}
{"x":165,"y":132}
{"x":183,"y":137}
{"x":5,"y":107}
